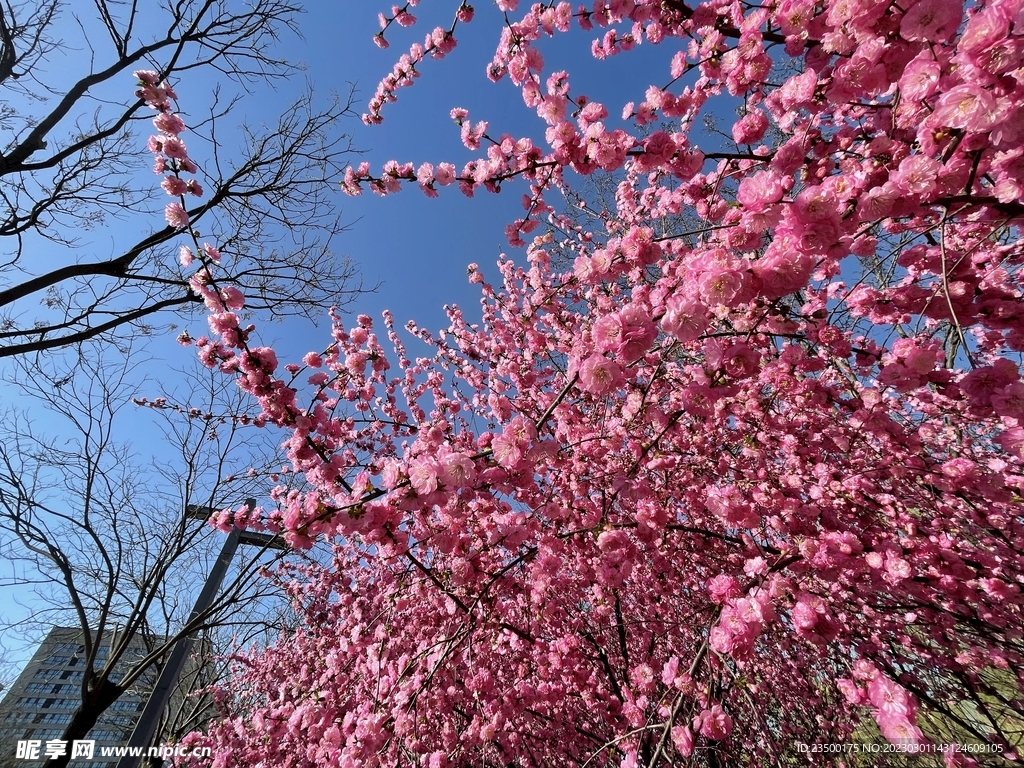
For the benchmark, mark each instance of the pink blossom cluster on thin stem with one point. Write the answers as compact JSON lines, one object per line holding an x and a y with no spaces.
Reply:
{"x":437,"y":44}
{"x":170,"y":151}
{"x":171,"y":158}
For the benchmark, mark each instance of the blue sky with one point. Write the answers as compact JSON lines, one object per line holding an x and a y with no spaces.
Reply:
{"x":418,"y":248}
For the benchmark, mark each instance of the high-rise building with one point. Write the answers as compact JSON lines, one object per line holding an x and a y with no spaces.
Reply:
{"x":40,"y":704}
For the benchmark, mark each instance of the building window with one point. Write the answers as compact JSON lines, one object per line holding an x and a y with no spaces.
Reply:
{"x":59,"y":718}
{"x":44,"y":733}
{"x":128,"y":706}
{"x":127,"y":721}
{"x":32,"y":701}
{"x":50,"y":688}
{"x":28,"y":703}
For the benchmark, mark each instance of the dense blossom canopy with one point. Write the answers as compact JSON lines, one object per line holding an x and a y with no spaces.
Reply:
{"x":735,"y":466}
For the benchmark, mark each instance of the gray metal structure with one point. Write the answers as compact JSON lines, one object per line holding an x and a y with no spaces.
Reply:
{"x":145,"y":729}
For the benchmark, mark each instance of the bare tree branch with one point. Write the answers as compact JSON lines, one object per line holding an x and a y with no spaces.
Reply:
{"x":68,"y":167}
{"x":101,"y":533}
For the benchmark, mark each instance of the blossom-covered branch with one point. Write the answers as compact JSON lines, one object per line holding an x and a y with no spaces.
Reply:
{"x":713,"y":489}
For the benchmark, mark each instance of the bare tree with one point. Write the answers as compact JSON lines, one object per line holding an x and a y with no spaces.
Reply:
{"x":100,"y":535}
{"x":71,"y":156}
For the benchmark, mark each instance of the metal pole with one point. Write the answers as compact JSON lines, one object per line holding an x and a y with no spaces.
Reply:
{"x":145,"y":729}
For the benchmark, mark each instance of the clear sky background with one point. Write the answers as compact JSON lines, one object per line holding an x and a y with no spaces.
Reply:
{"x":419,"y":246}
{"x":416,"y":247}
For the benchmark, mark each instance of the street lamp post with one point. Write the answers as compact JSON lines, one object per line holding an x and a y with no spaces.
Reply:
{"x":145,"y":729}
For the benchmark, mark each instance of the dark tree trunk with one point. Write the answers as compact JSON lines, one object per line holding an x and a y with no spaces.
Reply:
{"x":97,"y":701}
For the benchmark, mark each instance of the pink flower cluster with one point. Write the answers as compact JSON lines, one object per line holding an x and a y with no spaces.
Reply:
{"x":437,"y":44}
{"x":763,"y":435}
{"x":171,"y":156}
{"x":894,"y":711}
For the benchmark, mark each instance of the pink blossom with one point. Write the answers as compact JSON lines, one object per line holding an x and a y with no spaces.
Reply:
{"x":782,"y":271}
{"x":592,"y":113}
{"x":628,"y":332}
{"x":176,"y":215}
{"x":169,"y":123}
{"x":471,"y":135}
{"x":984,"y":29}
{"x":511,"y":445}
{"x":232,"y":297}
{"x":982,"y":383}
{"x":740,"y":361}
{"x":1011,"y":440}
{"x":916,"y":175}
{"x":146,"y":76}
{"x":931,"y":20}
{"x":456,"y":470}
{"x":921,"y":78}
{"x":1000,"y":590}
{"x":698,"y":400}
{"x":1008,"y":401}
{"x":599,"y":375}
{"x":174,"y":148}
{"x":722,"y":587}
{"x":815,"y":204}
{"x":851,"y":691}
{"x":897,"y":569}
{"x":968,"y":106}
{"x":174,"y":186}
{"x":723,"y":283}
{"x":750,"y":128}
{"x":223,"y":322}
{"x":423,"y":476}
{"x":728,"y":504}
{"x":898,"y":731}
{"x":713,"y":723}
{"x":685,"y":318}
{"x":425,"y":173}
{"x":552,"y":109}
{"x":818,"y":237}
{"x":682,"y":738}
{"x":759,"y":191}
{"x":804,"y":616}
{"x":878,"y":202}
{"x":889,"y":698}
{"x":812,"y":618}
{"x":546,"y":490}
{"x":355,"y":362}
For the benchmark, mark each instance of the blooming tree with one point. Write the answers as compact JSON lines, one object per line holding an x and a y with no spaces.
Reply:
{"x":693,"y":496}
